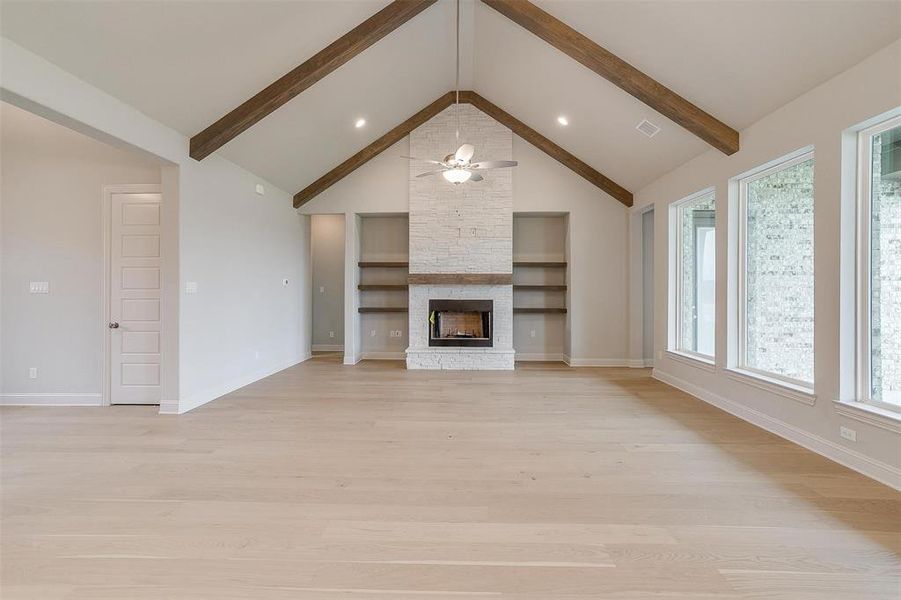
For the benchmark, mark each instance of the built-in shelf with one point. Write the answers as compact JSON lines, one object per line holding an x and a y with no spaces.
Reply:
{"x":541,"y":288}
{"x":543,"y":310}
{"x":382,"y":309}
{"x":383,"y":265}
{"x":385,"y":287}
{"x":540,"y":264}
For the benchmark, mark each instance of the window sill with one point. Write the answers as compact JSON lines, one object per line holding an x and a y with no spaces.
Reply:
{"x":774,"y":386}
{"x":694,"y":360}
{"x":872,"y":415}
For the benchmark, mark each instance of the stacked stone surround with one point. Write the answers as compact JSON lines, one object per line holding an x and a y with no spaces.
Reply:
{"x":465,"y":228}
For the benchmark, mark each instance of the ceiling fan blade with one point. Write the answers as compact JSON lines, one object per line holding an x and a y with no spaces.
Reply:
{"x":476,"y":177}
{"x":464,"y":153}
{"x":433,"y":162}
{"x":429,"y":173}
{"x":493,"y":164}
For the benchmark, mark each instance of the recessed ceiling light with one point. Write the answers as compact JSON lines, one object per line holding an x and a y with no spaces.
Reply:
{"x":563,"y":120}
{"x":360,"y":123}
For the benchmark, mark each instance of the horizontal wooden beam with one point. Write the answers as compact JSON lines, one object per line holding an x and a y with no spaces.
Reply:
{"x":548,"y":147}
{"x":493,"y":111}
{"x":302,"y":77}
{"x":372,"y":150}
{"x":619,"y":72}
{"x":460,"y":278}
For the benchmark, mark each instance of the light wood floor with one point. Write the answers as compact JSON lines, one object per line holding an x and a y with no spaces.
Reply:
{"x":371,"y":482}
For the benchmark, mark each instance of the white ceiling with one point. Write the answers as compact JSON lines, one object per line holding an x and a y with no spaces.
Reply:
{"x":188,"y":63}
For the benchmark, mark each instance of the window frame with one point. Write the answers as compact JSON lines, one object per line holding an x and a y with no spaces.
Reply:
{"x":741,"y":365}
{"x":863,"y":265}
{"x":676,"y":277}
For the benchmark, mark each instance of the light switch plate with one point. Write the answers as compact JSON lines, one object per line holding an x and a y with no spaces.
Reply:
{"x":39,"y":287}
{"x":190,"y":287}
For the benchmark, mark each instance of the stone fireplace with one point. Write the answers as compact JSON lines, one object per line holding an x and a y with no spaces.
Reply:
{"x":461,"y":250}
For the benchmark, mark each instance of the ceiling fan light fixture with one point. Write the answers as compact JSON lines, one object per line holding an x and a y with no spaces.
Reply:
{"x":457,"y":175}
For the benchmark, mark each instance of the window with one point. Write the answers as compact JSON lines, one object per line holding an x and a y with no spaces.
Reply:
{"x":879,"y":210}
{"x":694,"y":274}
{"x":775,"y":287}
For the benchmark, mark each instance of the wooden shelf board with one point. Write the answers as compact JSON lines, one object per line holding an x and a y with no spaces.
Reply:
{"x":368,"y":287}
{"x":549,"y":310}
{"x":382,"y":309}
{"x":543,"y":288}
{"x":546,"y":264}
{"x":364,"y":264}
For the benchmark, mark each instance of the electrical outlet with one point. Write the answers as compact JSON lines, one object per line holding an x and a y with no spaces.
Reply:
{"x":321,"y":289}
{"x":33,"y":373}
{"x":848,"y":433}
{"x":372,"y":333}
{"x":331,"y":334}
{"x":399,"y":333}
{"x":285,"y":282}
{"x":260,"y":189}
{"x":532,"y":333}
{"x":39,"y":287}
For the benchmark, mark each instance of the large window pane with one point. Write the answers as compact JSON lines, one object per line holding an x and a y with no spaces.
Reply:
{"x":778,"y":276}
{"x":697,"y":275}
{"x":885,"y":267}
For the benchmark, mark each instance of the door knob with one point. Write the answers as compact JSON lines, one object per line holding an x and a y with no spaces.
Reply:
{"x":114,"y":325}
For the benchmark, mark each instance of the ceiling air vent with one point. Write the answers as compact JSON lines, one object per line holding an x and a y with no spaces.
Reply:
{"x":648,"y":128}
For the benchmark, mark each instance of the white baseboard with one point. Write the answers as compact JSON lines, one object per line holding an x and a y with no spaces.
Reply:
{"x":327,"y":348}
{"x":169,"y":407}
{"x":597,"y":362}
{"x":878,"y":470}
{"x":352,"y":360}
{"x":51,"y":400}
{"x":538,"y":357}
{"x":384,"y":355}
{"x":199,"y":399}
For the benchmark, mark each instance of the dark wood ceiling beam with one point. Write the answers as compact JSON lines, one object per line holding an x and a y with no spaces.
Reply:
{"x":372,"y":150}
{"x":619,"y":72}
{"x":497,"y":113}
{"x":302,"y":77}
{"x":548,"y":147}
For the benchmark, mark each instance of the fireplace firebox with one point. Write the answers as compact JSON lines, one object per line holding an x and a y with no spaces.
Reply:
{"x":461,"y":323}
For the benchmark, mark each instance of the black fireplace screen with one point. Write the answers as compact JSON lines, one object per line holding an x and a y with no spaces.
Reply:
{"x":460,"y":323}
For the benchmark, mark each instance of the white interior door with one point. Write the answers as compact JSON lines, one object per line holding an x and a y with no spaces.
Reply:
{"x":135,"y":301}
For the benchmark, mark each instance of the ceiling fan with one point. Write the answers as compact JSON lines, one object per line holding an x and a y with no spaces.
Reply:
{"x":458,"y":167}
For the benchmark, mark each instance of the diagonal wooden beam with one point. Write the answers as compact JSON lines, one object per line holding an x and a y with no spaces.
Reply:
{"x":548,"y":147}
{"x":497,"y":113}
{"x":609,"y":66}
{"x":372,"y":150}
{"x":302,"y":77}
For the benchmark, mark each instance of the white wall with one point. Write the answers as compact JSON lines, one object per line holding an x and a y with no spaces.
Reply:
{"x":51,"y":200}
{"x":817,"y":118}
{"x":236,"y":245}
{"x":327,"y":232}
{"x":598,"y":238}
{"x":598,"y":235}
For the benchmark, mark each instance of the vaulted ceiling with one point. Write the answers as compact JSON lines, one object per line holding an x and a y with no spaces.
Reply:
{"x":187,"y":64}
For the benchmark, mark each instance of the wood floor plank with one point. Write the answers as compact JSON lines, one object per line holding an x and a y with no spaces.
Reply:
{"x":373,"y":482}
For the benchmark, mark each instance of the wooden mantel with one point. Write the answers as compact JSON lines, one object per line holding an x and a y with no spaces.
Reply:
{"x":460,"y":278}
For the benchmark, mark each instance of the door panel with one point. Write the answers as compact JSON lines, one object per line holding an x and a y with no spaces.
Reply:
{"x":135,"y":297}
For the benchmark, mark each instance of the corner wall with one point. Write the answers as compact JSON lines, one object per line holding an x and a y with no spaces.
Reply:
{"x":242,"y":324}
{"x":51,"y":199}
{"x":817,"y":118}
